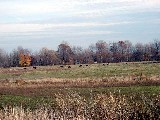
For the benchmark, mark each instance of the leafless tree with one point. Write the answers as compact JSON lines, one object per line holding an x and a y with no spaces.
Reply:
{"x":65,"y":53}
{"x":155,"y":48}
{"x":48,"y":57}
{"x":102,"y":51}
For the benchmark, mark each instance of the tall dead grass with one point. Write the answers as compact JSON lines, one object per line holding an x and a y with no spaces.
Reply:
{"x":140,"y":79}
{"x":72,"y":106}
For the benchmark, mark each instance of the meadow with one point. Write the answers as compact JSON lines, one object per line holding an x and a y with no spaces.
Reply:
{"x":93,"y":91}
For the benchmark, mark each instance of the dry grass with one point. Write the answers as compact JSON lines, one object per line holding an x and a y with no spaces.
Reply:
{"x":72,"y":106}
{"x":90,"y":100}
{"x":85,"y":82}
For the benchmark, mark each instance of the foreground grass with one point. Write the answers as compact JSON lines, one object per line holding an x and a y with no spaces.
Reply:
{"x":33,"y":97}
{"x":72,"y":105}
{"x":103,"y":103}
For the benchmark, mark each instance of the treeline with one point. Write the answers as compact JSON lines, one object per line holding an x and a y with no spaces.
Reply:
{"x":101,"y":52}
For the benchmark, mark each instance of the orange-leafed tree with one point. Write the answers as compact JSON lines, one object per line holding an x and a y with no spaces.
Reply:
{"x":25,"y":60}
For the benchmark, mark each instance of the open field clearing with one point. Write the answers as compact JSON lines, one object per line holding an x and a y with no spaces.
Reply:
{"x":94,"y":75}
{"x":115,"y":91}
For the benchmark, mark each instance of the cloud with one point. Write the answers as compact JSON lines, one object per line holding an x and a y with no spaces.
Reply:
{"x":93,"y":33}
{"x":88,"y":19}
{"x":13,"y":28}
{"x":43,"y":29}
{"x":99,"y":8}
{"x":90,"y":8}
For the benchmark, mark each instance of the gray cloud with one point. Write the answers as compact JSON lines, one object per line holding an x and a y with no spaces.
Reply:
{"x":51,"y":21}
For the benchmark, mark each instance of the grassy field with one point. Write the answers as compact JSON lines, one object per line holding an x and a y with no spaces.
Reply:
{"x":32,"y":97}
{"x":90,"y":71}
{"x":94,"y":75}
{"x":97,"y":91}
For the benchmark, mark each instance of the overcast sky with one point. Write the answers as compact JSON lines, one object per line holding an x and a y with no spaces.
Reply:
{"x":35,"y":24}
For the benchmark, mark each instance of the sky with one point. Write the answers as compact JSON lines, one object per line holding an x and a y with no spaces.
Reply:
{"x":34,"y":24}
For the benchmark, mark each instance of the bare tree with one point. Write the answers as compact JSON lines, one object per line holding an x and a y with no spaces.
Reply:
{"x":147,"y":52}
{"x":77,"y":54}
{"x":35,"y":59}
{"x":65,"y":53}
{"x":102,"y":51}
{"x":87,"y":56}
{"x":47,"y":57}
{"x":4,"y":59}
{"x":114,"y":52}
{"x":138,"y":53}
{"x":128,"y":51}
{"x":14,"y":58}
{"x":155,"y":48}
{"x":122,"y":50}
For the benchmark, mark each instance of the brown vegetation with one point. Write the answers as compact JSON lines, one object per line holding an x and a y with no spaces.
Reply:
{"x":72,"y":106}
{"x":20,"y":82}
{"x":81,"y":82}
{"x":96,"y":104}
{"x":101,"y":52}
{"x":25,"y":60}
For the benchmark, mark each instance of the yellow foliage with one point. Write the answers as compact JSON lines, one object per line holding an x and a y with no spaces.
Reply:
{"x":25,"y":60}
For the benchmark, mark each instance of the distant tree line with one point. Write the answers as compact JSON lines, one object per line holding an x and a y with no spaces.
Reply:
{"x":101,"y":52}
